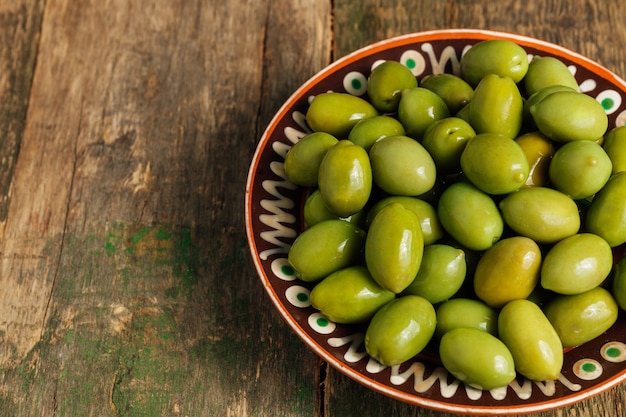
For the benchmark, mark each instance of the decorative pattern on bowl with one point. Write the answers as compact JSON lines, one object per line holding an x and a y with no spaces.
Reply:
{"x":274,"y":218}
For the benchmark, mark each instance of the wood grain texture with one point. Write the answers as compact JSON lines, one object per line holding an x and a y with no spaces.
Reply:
{"x":126,"y":132}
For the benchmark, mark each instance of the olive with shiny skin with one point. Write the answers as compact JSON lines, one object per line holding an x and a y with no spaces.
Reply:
{"x":441,"y":273}
{"x":302,"y":162}
{"x":615,"y":147}
{"x":369,"y":131}
{"x":466,"y":312}
{"x":315,"y":211}
{"x":534,"y":344}
{"x":547,"y":71}
{"x":386,"y":83}
{"x":580,"y":318}
{"x":497,"y":107}
{"x":345,"y":178}
{"x":564,"y":116}
{"x":454,"y":90}
{"x":477,"y":358}
{"x":325,"y":248}
{"x":507,"y":271}
{"x":337,"y":113}
{"x":418,"y":108}
{"x":470,"y":216}
{"x":539,"y":151}
{"x":495,"y":163}
{"x":400,"y":330}
{"x":606,"y":216}
{"x":394,"y":247}
{"x":537,"y":96}
{"x":576,"y":264}
{"x":543,"y":214}
{"x":618,"y":285}
{"x":402,"y":166}
{"x":425,"y":212}
{"x":349,"y":295}
{"x":494,"y":56}
{"x":445,"y":140}
{"x":580,"y":169}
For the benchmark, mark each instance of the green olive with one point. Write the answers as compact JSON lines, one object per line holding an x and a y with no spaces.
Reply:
{"x":540,"y":213}
{"x":402,"y":166}
{"x":495,"y":163}
{"x":534,"y":344}
{"x":507,"y":271}
{"x":615,"y":147}
{"x":425,"y":212}
{"x":546,"y":72}
{"x":325,"y":248}
{"x":606,"y":216}
{"x":394,"y":247}
{"x":619,"y":283}
{"x":369,"y":131}
{"x":536,"y":97}
{"x":496,"y":107}
{"x":315,"y":211}
{"x":418,"y":108}
{"x":400,"y":330}
{"x":445,"y":140}
{"x":385,"y":85}
{"x":302,"y":162}
{"x":580,"y":318}
{"x":576,"y":264}
{"x":349,"y":295}
{"x":564,"y":116}
{"x":477,"y":358}
{"x":454,"y":90}
{"x":345,"y":178}
{"x":466,"y":312}
{"x":539,"y":151}
{"x":337,"y":113}
{"x":441,"y":273}
{"x":494,"y":56}
{"x":580,"y":169}
{"x":470,"y":216}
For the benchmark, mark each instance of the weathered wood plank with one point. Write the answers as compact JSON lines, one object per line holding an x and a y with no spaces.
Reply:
{"x":126,"y":282}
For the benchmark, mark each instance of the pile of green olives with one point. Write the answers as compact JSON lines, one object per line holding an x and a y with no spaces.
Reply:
{"x":478,"y":209}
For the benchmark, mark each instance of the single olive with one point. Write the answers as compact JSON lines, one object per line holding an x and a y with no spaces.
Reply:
{"x":394,"y":247}
{"x":445,"y":140}
{"x":337,"y":113}
{"x":425,"y":212}
{"x":618,"y":286}
{"x":615,"y":147}
{"x":564,"y":116}
{"x":606,"y":216}
{"x":494,"y":56}
{"x":470,"y":216}
{"x":548,"y":71}
{"x":325,"y":248}
{"x":466,"y":312}
{"x":349,"y":295}
{"x":400,"y":330}
{"x":302,"y":162}
{"x":576,"y":264}
{"x":454,"y":90}
{"x":496,"y":107}
{"x":495,"y":163}
{"x":385,"y":85}
{"x":543,"y":214}
{"x":441,"y":273}
{"x":580,"y":318}
{"x":345,"y":178}
{"x":477,"y":358}
{"x":418,"y":108}
{"x":539,"y":151}
{"x":402,"y":166}
{"x":537,"y":96}
{"x":580,"y":169}
{"x":369,"y":131}
{"x":534,"y":344}
{"x":315,"y":211}
{"x":507,"y":271}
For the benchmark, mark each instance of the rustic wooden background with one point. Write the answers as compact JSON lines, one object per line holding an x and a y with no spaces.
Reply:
{"x":126,"y":132}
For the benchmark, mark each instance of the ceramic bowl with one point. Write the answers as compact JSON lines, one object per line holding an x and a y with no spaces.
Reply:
{"x":273,"y":210}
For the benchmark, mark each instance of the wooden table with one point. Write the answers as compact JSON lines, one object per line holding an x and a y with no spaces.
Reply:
{"x":126,"y":132}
